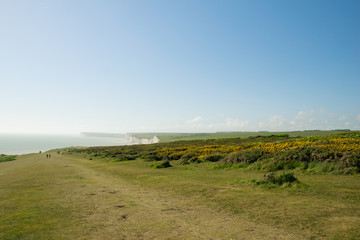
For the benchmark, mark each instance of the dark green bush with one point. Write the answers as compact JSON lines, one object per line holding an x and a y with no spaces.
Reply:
{"x":247,"y":157}
{"x":280,"y":179}
{"x":175,"y":156}
{"x":6,"y":158}
{"x":153,"y":157}
{"x":213,"y":157}
{"x":164,"y":164}
{"x":189,"y":158}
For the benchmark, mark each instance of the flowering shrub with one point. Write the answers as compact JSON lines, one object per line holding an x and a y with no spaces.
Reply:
{"x":269,"y":153}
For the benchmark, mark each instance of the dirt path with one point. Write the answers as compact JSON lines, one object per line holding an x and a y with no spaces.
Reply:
{"x":91,"y":203}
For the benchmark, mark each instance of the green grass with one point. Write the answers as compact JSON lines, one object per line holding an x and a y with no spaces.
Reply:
{"x":28,"y":209}
{"x":72,"y":197}
{"x":338,"y":154}
{"x":170,"y":137}
{"x":7,"y":158}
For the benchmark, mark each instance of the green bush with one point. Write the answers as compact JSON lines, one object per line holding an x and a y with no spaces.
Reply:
{"x":175,"y":156}
{"x":184,"y":162}
{"x":189,"y":158}
{"x":7,"y":158}
{"x":153,"y":157}
{"x":164,"y":164}
{"x":213,"y":157}
{"x":280,"y":179}
{"x":247,"y":157}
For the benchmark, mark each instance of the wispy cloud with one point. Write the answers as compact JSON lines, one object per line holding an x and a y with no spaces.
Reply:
{"x":236,"y":123}
{"x":343,"y":118}
{"x":195,"y":120}
{"x":277,"y":122}
{"x":305,"y":116}
{"x":307,"y":120}
{"x":302,"y":120}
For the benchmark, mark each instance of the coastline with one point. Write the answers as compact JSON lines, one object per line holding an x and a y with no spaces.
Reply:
{"x":18,"y":144}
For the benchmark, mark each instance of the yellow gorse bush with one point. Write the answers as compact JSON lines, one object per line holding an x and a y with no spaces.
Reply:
{"x":198,"y":150}
{"x":271,"y":153}
{"x":330,"y":145}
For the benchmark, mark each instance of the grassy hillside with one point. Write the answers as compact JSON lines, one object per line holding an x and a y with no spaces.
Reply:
{"x":338,"y":153}
{"x":170,"y":137}
{"x":71,"y":197}
{"x":261,"y":187}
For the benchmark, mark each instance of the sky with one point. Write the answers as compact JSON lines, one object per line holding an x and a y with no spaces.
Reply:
{"x":178,"y":66}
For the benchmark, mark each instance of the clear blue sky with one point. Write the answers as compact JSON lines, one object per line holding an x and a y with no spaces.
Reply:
{"x":179,"y":66}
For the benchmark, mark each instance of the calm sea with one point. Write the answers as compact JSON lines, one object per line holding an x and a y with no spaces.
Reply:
{"x":22,"y":144}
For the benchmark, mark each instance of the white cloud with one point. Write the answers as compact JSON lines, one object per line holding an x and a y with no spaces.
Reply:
{"x":231,"y":122}
{"x":300,"y":115}
{"x":194,"y":120}
{"x":302,"y":120}
{"x":343,"y":118}
{"x":277,"y":121}
{"x":305,"y":116}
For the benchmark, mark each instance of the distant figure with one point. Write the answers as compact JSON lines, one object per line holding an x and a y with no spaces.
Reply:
{"x":39,"y":151}
{"x":58,"y":152}
{"x":47,"y":155}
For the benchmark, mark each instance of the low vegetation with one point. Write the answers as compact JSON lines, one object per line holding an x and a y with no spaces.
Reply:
{"x":171,"y":137}
{"x":239,"y":188}
{"x":281,"y":179}
{"x":6,"y":158}
{"x":338,"y":153}
{"x":164,"y":164}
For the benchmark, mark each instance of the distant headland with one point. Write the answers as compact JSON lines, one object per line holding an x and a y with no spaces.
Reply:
{"x":129,"y":137}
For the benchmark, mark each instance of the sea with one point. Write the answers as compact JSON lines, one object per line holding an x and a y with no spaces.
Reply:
{"x":16,"y":144}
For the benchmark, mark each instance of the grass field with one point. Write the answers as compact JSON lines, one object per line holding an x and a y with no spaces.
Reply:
{"x":71,"y":197}
{"x":170,"y":137}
